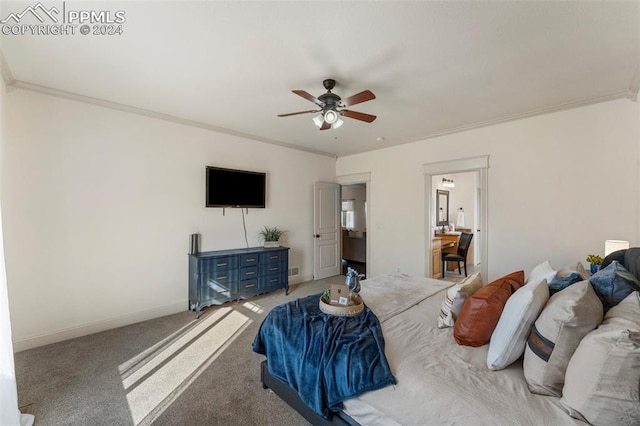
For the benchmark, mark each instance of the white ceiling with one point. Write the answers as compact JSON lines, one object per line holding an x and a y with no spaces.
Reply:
{"x":435,"y":67}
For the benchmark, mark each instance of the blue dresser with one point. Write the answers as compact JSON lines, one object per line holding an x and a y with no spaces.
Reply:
{"x":216,"y":277}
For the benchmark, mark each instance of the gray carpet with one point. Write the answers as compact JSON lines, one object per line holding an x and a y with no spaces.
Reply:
{"x":173,"y":370}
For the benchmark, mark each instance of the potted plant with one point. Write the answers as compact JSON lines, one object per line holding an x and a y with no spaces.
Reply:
{"x":271,"y":236}
{"x":595,"y":262}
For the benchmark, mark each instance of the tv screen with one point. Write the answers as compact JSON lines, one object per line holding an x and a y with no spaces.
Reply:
{"x":235,"y":188}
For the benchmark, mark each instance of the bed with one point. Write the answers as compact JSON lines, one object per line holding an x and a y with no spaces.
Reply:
{"x":438,"y":381}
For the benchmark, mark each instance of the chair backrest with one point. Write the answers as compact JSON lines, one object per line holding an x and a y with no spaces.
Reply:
{"x":464,"y":244}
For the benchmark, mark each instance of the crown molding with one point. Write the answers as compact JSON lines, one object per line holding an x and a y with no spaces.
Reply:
{"x":11,"y":82}
{"x":153,"y":114}
{"x":542,"y":111}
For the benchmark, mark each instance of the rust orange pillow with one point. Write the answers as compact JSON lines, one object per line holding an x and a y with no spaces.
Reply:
{"x":481,"y":312}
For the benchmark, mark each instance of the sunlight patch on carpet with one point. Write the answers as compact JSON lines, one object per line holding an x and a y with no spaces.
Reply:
{"x":253,"y":307}
{"x":156,"y":384}
{"x":168,"y":349}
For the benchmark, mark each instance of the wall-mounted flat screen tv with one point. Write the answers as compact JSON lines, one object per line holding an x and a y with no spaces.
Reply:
{"x":235,"y":188}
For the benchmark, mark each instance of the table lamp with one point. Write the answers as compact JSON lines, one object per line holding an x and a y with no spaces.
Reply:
{"x":614,"y":245}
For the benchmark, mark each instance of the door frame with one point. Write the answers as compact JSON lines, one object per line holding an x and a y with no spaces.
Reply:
{"x":472,"y":164}
{"x":353,"y":179}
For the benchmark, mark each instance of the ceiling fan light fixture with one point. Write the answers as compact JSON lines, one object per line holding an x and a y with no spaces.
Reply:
{"x":331,"y":116}
{"x":318,"y":119}
{"x":330,"y":104}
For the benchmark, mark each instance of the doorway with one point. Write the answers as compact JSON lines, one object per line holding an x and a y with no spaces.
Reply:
{"x":460,"y":213}
{"x":355,"y":221}
{"x":354,"y":227}
{"x":477,"y":169}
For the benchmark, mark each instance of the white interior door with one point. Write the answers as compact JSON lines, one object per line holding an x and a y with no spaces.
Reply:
{"x":326,"y":222}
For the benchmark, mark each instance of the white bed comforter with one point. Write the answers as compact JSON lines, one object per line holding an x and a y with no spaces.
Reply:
{"x":439,"y":381}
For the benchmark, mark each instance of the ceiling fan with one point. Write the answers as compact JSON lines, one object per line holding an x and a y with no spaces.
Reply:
{"x":332,"y":106}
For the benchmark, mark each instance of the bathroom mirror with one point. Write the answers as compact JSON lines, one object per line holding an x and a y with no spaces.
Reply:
{"x":442,"y":207}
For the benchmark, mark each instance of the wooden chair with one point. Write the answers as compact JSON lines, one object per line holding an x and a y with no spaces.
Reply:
{"x":461,"y":256}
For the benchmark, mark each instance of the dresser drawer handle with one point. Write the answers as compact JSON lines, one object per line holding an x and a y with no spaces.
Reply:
{"x":222,"y":278}
{"x":275,"y":280}
{"x":249,"y":286}
{"x":250,"y":260}
{"x":274,"y":269}
{"x":221,"y":264}
{"x":251,"y":273}
{"x":274,"y":257}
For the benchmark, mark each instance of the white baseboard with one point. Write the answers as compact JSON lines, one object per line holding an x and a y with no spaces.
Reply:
{"x":25,"y":343}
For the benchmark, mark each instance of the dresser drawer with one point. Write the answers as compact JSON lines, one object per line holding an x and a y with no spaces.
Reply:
{"x":272,"y":282}
{"x":249,"y":259}
{"x":222,"y":277}
{"x":273,"y":257}
{"x":248,"y":273}
{"x":272,"y":268}
{"x":248,"y":288}
{"x":220,"y":263}
{"x":217,"y":291}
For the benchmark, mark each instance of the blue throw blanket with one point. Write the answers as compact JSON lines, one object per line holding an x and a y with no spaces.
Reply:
{"x":325,"y":358}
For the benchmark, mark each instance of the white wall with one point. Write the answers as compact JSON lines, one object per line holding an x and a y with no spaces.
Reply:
{"x":98,"y":206}
{"x":559,"y":185}
{"x":463,"y":195}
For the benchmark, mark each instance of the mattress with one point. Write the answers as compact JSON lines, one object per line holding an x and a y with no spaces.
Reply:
{"x":439,"y":381}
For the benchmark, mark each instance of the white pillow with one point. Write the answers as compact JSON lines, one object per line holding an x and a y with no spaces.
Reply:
{"x":455,"y":298}
{"x":510,"y":335}
{"x":543,"y":271}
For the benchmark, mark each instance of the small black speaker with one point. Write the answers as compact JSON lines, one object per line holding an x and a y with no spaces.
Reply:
{"x":194,"y":244}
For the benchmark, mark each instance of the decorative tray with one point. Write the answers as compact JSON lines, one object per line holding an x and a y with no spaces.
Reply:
{"x":343,"y":311}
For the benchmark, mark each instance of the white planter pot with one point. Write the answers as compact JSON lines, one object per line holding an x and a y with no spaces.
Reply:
{"x":268,"y":244}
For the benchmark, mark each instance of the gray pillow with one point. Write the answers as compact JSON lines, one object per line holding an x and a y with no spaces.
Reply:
{"x":612,"y":284}
{"x":610,"y":355}
{"x":568,"y":316}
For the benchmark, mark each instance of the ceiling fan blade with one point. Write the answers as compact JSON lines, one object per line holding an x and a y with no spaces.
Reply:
{"x":364,"y":96}
{"x":307,"y":96}
{"x":358,"y":115}
{"x":296,"y":113}
{"x":325,"y":126}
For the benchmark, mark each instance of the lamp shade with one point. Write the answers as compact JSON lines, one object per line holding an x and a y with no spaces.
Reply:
{"x":331,"y":116}
{"x":614,"y":245}
{"x":318,"y":120}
